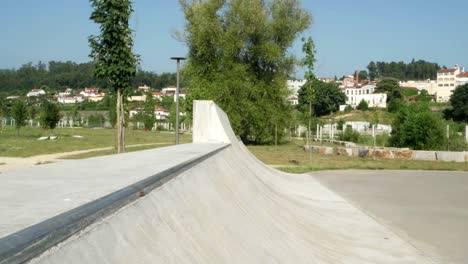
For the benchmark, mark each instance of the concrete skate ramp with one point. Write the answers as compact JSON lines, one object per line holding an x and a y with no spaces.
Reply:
{"x":230,"y":208}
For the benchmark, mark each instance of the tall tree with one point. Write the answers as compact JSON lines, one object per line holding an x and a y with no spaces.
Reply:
{"x":372,"y":67}
{"x":238,"y":57}
{"x":19,"y":112}
{"x":113,"y":54}
{"x":391,"y":87}
{"x":309,"y":60}
{"x":50,"y":115}
{"x":459,"y":102}
{"x":327,"y":98}
{"x":363,"y":76}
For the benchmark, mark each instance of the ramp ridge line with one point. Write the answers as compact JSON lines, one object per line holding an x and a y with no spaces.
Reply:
{"x":30,"y":242}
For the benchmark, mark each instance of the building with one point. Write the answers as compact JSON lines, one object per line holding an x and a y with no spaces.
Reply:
{"x":462,"y":78}
{"x":294,"y":86}
{"x":354,"y":95}
{"x":157,"y":95}
{"x":144,"y":88}
{"x":447,"y":82}
{"x":36,"y":92}
{"x":67,"y":100}
{"x":160,"y":113}
{"x":428,"y":85}
{"x":168,"y":91}
{"x":137,"y":98}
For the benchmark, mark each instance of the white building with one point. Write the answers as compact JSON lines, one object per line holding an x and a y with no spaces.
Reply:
{"x":35,"y":92}
{"x":447,"y":82}
{"x":355,"y":95}
{"x":462,"y":78}
{"x":428,"y":85}
{"x":161,"y":113}
{"x":67,"y":100}
{"x":168,"y":91}
{"x":144,"y":88}
{"x":294,"y":86}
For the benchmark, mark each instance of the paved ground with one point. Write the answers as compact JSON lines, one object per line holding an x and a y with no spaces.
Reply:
{"x":10,"y":163}
{"x":429,"y":209}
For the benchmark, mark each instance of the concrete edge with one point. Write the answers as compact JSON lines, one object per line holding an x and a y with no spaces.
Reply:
{"x":28,"y":243}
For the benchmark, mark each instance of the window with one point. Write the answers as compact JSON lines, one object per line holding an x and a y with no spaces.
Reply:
{"x":446,"y":84}
{"x":440,"y":85}
{"x":452,"y":84}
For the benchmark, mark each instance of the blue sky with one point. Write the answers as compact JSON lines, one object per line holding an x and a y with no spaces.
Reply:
{"x":348,"y":34}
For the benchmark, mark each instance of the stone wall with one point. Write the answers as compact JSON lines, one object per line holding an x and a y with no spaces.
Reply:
{"x":390,"y":153}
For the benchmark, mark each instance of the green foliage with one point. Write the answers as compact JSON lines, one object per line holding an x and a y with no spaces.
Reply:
{"x":96,"y":120}
{"x":416,"y":127}
{"x":423,"y":96}
{"x":391,"y":87}
{"x":238,"y":57}
{"x":415,"y":70}
{"x":363,"y":75}
{"x":349,"y":135}
{"x":348,"y":109}
{"x":409,"y":92}
{"x":340,"y":124}
{"x":363,"y":105}
{"x":459,"y":102}
{"x":50,"y":115}
{"x":327,"y":97}
{"x":19,"y":112}
{"x":112,"y":49}
{"x":395,"y":105}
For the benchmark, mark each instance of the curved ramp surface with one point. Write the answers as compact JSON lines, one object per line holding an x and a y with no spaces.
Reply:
{"x":230,"y":208}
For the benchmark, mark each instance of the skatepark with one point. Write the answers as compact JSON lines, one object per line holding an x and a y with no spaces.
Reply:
{"x":212,"y":201}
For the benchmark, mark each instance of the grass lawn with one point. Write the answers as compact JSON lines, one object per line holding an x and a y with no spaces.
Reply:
{"x":292,"y":158}
{"x":114,"y":151}
{"x":26,"y":144}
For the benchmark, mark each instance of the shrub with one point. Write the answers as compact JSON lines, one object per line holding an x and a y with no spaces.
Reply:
{"x":350,"y":135}
{"x":363,"y":105}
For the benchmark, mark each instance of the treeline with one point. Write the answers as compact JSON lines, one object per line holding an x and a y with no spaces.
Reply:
{"x":57,"y":75}
{"x":415,"y":70}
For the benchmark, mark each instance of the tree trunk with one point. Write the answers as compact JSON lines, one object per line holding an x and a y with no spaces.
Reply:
{"x":120,"y":123}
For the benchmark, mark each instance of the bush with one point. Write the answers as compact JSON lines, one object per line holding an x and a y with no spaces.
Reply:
{"x":350,"y":135}
{"x":348,"y":109}
{"x":416,"y":127}
{"x":395,"y":105}
{"x":363,"y":105}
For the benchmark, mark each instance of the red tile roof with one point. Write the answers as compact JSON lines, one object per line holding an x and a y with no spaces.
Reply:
{"x":463,"y":75}
{"x":446,"y":70}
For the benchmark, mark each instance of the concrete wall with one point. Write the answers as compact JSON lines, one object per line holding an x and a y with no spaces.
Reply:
{"x":391,"y":153}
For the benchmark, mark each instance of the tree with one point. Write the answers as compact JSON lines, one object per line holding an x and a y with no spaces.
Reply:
{"x":363,"y":105}
{"x":372,"y":67}
{"x":238,"y":57}
{"x":19,"y":112}
{"x":423,"y":96}
{"x":327,"y":98}
{"x":50,"y":115}
{"x":309,"y":49}
{"x":112,"y":52}
{"x":363,"y":76}
{"x":459,"y":102}
{"x":417,"y":127}
{"x":391,"y":87}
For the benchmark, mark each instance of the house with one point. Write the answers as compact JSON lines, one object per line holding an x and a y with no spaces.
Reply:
{"x":157,"y":95}
{"x":67,"y":100}
{"x":182,"y":95}
{"x":65,"y":93}
{"x":91,"y":90}
{"x":168,"y":91}
{"x":137,"y":98}
{"x":462,"y":78}
{"x":354,"y":95}
{"x":295,"y":85}
{"x":160,"y":113}
{"x":36,"y":92}
{"x":293,"y":99}
{"x":447,"y":82}
{"x":428,"y":85}
{"x":144,"y":88}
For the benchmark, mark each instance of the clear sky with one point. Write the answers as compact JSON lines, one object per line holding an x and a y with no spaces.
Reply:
{"x":347,"y":33}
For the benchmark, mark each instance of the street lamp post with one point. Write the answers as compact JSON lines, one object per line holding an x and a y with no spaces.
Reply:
{"x":178,"y":59}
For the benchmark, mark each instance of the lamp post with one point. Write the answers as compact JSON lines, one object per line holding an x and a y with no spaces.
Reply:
{"x":178,"y":59}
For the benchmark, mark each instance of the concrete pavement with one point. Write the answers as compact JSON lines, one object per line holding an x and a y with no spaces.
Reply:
{"x":427,"y":208}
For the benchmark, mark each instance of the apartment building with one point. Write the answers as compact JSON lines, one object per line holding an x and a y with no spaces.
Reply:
{"x":447,"y":82}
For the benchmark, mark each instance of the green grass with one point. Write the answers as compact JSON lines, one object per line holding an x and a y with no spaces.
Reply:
{"x":26,"y":144}
{"x":409,"y":92}
{"x":292,"y":158}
